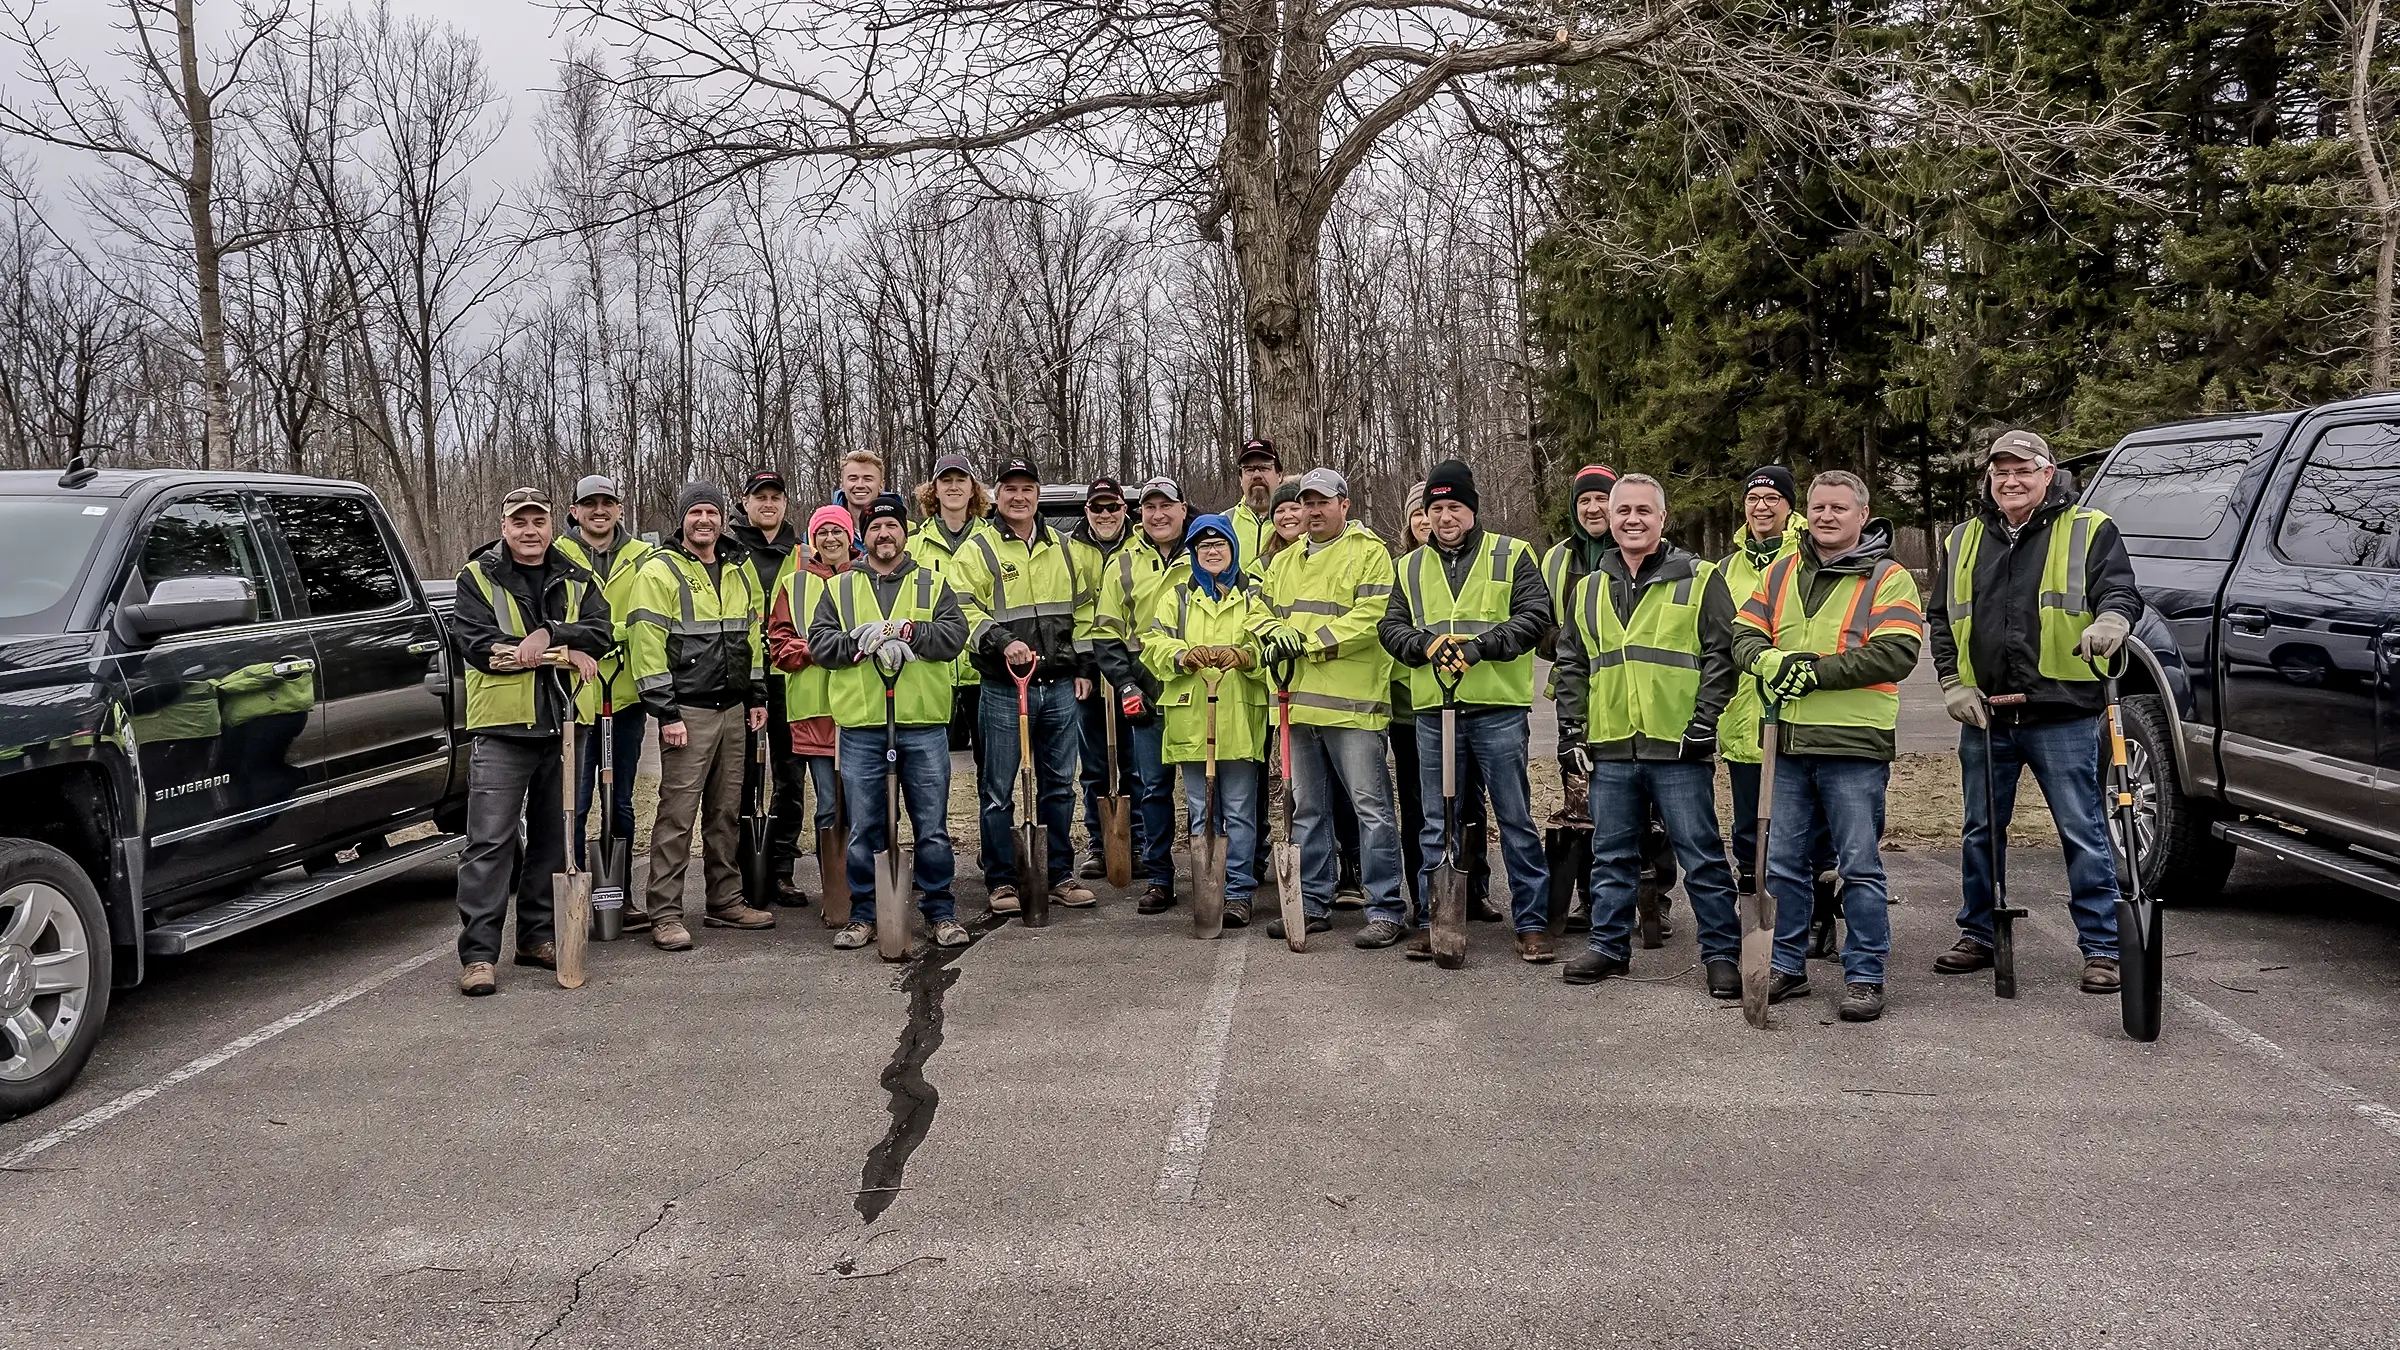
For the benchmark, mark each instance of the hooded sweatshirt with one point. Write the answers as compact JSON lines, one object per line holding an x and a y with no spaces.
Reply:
{"x":1887,"y":656}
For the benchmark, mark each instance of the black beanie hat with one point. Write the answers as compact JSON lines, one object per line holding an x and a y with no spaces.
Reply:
{"x":1773,"y":476}
{"x":698,"y":493}
{"x":1593,"y":478}
{"x":886,"y":507}
{"x":1286,"y":491}
{"x":1451,"y":481}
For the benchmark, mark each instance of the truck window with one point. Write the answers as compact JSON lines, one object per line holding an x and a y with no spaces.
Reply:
{"x":344,"y":566}
{"x":2173,"y":489}
{"x":205,"y":536}
{"x":2345,"y":508}
{"x":44,"y":545}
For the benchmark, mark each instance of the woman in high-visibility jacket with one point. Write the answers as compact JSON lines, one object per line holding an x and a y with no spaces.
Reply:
{"x":806,"y":706}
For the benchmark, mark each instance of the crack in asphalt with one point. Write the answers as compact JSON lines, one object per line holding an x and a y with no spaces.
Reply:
{"x":913,"y":1099}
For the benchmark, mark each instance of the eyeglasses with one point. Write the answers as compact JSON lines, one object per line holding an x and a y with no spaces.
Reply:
{"x":2016,"y":475}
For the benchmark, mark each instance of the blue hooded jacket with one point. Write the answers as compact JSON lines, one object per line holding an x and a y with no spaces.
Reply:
{"x":1213,"y":584}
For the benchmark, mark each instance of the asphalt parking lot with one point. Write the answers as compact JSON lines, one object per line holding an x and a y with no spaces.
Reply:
{"x":1127,"y":1138}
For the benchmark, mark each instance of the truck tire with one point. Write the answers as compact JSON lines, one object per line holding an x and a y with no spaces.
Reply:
{"x":55,"y":967}
{"x":2182,"y":860}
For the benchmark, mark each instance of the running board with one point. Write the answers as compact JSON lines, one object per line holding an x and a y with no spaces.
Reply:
{"x":274,"y":900}
{"x":2340,"y":864}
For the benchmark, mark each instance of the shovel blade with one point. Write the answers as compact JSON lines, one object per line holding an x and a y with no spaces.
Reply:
{"x":2141,"y":956}
{"x":1288,"y":896}
{"x":1208,"y":887}
{"x":758,"y":883}
{"x":1033,"y":876}
{"x":613,"y":881}
{"x":1116,"y":840}
{"x":571,"y":917}
{"x":1756,"y":911}
{"x":834,"y":908}
{"x":1449,"y":916}
{"x":891,"y":905}
{"x":2004,"y":952}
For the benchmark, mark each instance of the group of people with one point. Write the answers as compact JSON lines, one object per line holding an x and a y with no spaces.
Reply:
{"x":1178,"y":637}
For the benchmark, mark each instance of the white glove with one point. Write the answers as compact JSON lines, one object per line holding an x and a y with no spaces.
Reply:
{"x":1965,"y":705}
{"x":894,"y":654}
{"x":874,"y":633}
{"x":2103,"y":637}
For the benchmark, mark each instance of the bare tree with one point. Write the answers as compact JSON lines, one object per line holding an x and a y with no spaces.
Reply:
{"x":2365,"y":19}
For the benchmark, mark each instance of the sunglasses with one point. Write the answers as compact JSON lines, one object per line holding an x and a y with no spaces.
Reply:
{"x":1105,"y":508}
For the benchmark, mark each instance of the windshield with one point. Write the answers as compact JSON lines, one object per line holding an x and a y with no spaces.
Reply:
{"x":45,"y":544}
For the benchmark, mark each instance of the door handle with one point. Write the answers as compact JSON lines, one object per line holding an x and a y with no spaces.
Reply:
{"x":295,"y":666}
{"x":2246,"y":619}
{"x":423,"y":648}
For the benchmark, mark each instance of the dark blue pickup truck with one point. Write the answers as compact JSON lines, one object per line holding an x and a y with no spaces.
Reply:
{"x":2266,"y":697}
{"x":220,"y":695}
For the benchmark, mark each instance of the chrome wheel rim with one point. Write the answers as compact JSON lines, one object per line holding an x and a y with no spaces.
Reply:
{"x":2141,"y":770}
{"x":45,"y":978}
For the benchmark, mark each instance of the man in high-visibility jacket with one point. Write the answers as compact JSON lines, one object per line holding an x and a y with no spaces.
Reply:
{"x":521,"y":603}
{"x":1830,"y":633}
{"x":612,"y":554}
{"x":952,"y":505}
{"x":1092,"y":546}
{"x":1253,"y":517}
{"x":696,"y":640}
{"x":2033,"y":591}
{"x":892,"y":613}
{"x":1331,"y":591}
{"x":1645,"y":669}
{"x":1017,"y":589}
{"x":1129,"y":589}
{"x":1469,"y":608}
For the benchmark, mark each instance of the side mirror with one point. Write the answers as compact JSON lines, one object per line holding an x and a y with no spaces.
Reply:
{"x":188,"y":605}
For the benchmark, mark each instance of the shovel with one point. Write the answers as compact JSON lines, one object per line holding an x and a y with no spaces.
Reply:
{"x":2141,"y":943}
{"x":1449,"y":889}
{"x":891,"y":870}
{"x":833,"y":871}
{"x":570,"y":891}
{"x":758,"y":881}
{"x":1208,"y":866}
{"x":1116,"y":812}
{"x":1756,"y":909}
{"x":1287,"y":853}
{"x":1033,"y":844}
{"x":1995,"y":852}
{"x":612,"y":876}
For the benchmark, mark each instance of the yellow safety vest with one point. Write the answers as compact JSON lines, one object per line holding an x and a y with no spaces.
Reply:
{"x":922,"y":693}
{"x":1854,"y":609}
{"x":1645,"y":674}
{"x":2064,"y":606}
{"x":1481,"y":605}
{"x":507,"y":700}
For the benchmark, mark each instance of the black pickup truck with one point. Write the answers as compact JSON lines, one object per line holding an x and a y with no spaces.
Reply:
{"x":2265,"y":694}
{"x":219,"y":695}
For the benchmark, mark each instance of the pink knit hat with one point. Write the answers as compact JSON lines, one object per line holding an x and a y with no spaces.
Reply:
{"x":830,"y":515}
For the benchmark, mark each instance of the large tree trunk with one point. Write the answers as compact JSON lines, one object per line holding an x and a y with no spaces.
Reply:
{"x":2367,"y":21}
{"x":216,"y":399}
{"x":1269,"y":164}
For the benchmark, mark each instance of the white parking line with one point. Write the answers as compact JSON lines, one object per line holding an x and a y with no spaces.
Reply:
{"x":102,"y":1114}
{"x":1187,"y":1139}
{"x":2372,"y":1111}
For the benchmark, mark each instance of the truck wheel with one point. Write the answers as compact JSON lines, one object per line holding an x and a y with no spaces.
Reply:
{"x":2181,"y":858}
{"x":54,"y":974}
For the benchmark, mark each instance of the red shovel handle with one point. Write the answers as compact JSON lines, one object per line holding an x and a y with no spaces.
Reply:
{"x":1024,"y":681}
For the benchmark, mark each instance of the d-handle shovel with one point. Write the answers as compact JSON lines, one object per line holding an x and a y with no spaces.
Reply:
{"x":570,"y":891}
{"x":1208,"y":868}
{"x":891,"y":869}
{"x":758,"y":881}
{"x":1995,"y":853}
{"x":1116,"y":809}
{"x":1033,"y":843}
{"x":1756,"y":907}
{"x":612,"y":878}
{"x":2141,"y":942}
{"x":1287,"y":853}
{"x":1449,"y":883}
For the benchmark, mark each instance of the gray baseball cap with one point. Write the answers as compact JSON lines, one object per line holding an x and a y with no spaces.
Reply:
{"x":1325,"y":483}
{"x":1161,"y":486}
{"x":597,"y":485}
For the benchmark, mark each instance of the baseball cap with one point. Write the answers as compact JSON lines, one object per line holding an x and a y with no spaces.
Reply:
{"x":2019,"y":445}
{"x":524,"y":499}
{"x":764,"y":478}
{"x":1257,"y":448}
{"x":1103,"y":487}
{"x":597,"y":485}
{"x":1019,"y":467}
{"x":1162,"y":486}
{"x":1325,"y":483}
{"x":952,"y":463}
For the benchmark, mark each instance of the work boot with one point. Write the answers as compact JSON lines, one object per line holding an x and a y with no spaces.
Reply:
{"x":1591,"y":968}
{"x":950,"y":933}
{"x":739,"y":916}
{"x":853,"y":936}
{"x":1004,"y":900}
{"x":1420,"y":945}
{"x":1347,"y":892}
{"x":1862,"y":1003}
{"x":1094,"y":867}
{"x":1156,"y":899}
{"x":1074,"y":895}
{"x":543,"y":954}
{"x":1317,"y":923}
{"x":1966,"y":958}
{"x":1237,"y":914}
{"x":1781,"y":986}
{"x":637,"y":920}
{"x":1724,"y":980}
{"x":1377,"y":933}
{"x":1534,"y":948}
{"x":1482,"y":910}
{"x":789,"y":895}
{"x":476,"y":978}
{"x":2100,"y":975}
{"x":671,"y":936}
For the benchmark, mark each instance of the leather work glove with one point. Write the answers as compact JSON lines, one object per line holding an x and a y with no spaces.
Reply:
{"x":1192,"y":658}
{"x":1234,"y":658}
{"x":1965,"y":705}
{"x":1797,"y":678}
{"x":1448,"y":653}
{"x":2103,"y":638}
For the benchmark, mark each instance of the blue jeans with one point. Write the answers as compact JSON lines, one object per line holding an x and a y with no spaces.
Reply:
{"x":628,"y":724}
{"x":1056,"y":728}
{"x":1624,"y":791}
{"x":1845,"y":797}
{"x":1348,"y":760}
{"x":1744,"y":781}
{"x":1142,"y":775}
{"x":822,"y":770}
{"x":1491,"y":750}
{"x":924,"y":790}
{"x":2066,"y":761}
{"x":1238,"y":809}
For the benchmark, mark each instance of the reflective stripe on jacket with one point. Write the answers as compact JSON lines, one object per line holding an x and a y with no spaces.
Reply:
{"x":691,"y":639}
{"x":1481,"y":604}
{"x":1186,"y":617}
{"x":621,"y":562}
{"x":1334,"y":596}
